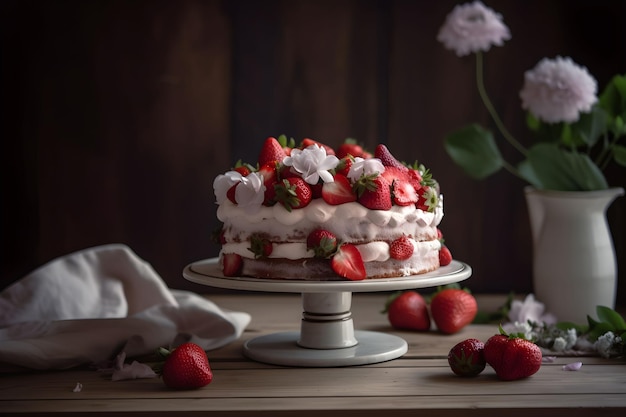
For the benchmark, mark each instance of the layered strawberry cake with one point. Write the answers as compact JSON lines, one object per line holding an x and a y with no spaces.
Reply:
{"x":311,"y":212}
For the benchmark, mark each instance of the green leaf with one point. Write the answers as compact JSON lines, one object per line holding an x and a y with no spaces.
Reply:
{"x":608,"y":315}
{"x":528,"y":173}
{"x":474,"y":149}
{"x":619,"y":153}
{"x":599,"y":330}
{"x":590,"y":127}
{"x":613,"y":97}
{"x":559,"y":169}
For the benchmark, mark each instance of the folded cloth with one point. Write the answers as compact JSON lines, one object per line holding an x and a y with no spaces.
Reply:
{"x":88,"y":306}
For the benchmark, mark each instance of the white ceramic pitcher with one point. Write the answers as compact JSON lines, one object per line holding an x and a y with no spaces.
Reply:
{"x":574,"y":263}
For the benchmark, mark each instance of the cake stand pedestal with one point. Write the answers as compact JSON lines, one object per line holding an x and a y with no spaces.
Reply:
{"x":327,"y":337}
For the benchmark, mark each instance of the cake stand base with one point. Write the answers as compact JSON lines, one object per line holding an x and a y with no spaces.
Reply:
{"x":283,"y":349}
{"x":327,"y":337}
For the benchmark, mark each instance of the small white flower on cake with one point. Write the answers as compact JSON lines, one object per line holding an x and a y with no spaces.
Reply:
{"x":473,"y":27}
{"x":558,"y":90}
{"x":250,"y":193}
{"x":364,"y":167}
{"x":312,"y":163}
{"x":223,"y":183}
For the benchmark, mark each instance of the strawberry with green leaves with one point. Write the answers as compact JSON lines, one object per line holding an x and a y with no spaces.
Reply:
{"x":293,"y":193}
{"x":467,"y":358}
{"x":322,"y":242}
{"x":185,"y":367}
{"x":374,"y":192}
{"x":348,"y":263}
{"x":512,"y":356}
{"x":427,"y":199}
{"x":260,"y":246}
{"x":452,"y":309}
{"x":408,"y":311}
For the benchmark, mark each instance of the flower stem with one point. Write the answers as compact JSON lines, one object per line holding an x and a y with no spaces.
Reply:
{"x":491,"y":109}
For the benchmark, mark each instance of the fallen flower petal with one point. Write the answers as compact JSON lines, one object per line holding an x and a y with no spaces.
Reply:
{"x":548,"y":359}
{"x":78,"y":387}
{"x":574,"y":366}
{"x":135,"y":370}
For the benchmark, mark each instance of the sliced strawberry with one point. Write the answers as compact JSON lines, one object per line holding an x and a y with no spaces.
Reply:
{"x":339,"y":191}
{"x":427,"y":200}
{"x":271,"y":151}
{"x":231,"y":264}
{"x":270,"y":178}
{"x":230,"y":194}
{"x":388,"y":160}
{"x":415,"y":178}
{"x":322,"y":242}
{"x":306,"y":142}
{"x":395,"y":173}
{"x":347,"y":262}
{"x":403,"y":193}
{"x":402,"y":248}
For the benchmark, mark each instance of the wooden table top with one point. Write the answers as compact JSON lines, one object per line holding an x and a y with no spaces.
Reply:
{"x":418,"y":381}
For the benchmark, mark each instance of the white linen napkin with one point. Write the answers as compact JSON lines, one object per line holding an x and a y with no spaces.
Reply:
{"x":88,"y":306}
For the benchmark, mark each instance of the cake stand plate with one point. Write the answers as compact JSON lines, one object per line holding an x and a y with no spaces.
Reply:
{"x":327,"y":337}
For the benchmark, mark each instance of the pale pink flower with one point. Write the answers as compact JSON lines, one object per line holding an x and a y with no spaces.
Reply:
{"x":558,"y":90}
{"x":473,"y":27}
{"x":529,"y":310}
{"x":574,"y":366}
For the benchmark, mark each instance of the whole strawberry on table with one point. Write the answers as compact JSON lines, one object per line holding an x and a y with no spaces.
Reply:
{"x":185,"y":367}
{"x":451,"y":309}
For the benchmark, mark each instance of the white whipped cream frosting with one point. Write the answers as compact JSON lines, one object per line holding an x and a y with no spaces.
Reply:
{"x":369,"y":230}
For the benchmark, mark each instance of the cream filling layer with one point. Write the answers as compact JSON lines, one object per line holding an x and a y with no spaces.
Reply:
{"x":370,"y":252}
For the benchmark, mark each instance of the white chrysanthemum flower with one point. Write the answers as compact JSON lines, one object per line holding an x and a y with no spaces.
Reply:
{"x":473,"y":27}
{"x":571,"y":338}
{"x":361,"y":167}
{"x":250,"y":193}
{"x":605,"y":345}
{"x":529,"y":309}
{"x":558,"y":90}
{"x":559,"y":344}
{"x":312,"y":163}
{"x":520,"y":327}
{"x":223,"y":182}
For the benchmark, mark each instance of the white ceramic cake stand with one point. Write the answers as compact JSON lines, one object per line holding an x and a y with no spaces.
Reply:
{"x":327,"y":337}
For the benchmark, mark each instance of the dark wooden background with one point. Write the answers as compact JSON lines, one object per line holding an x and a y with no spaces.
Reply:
{"x":117,"y":115}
